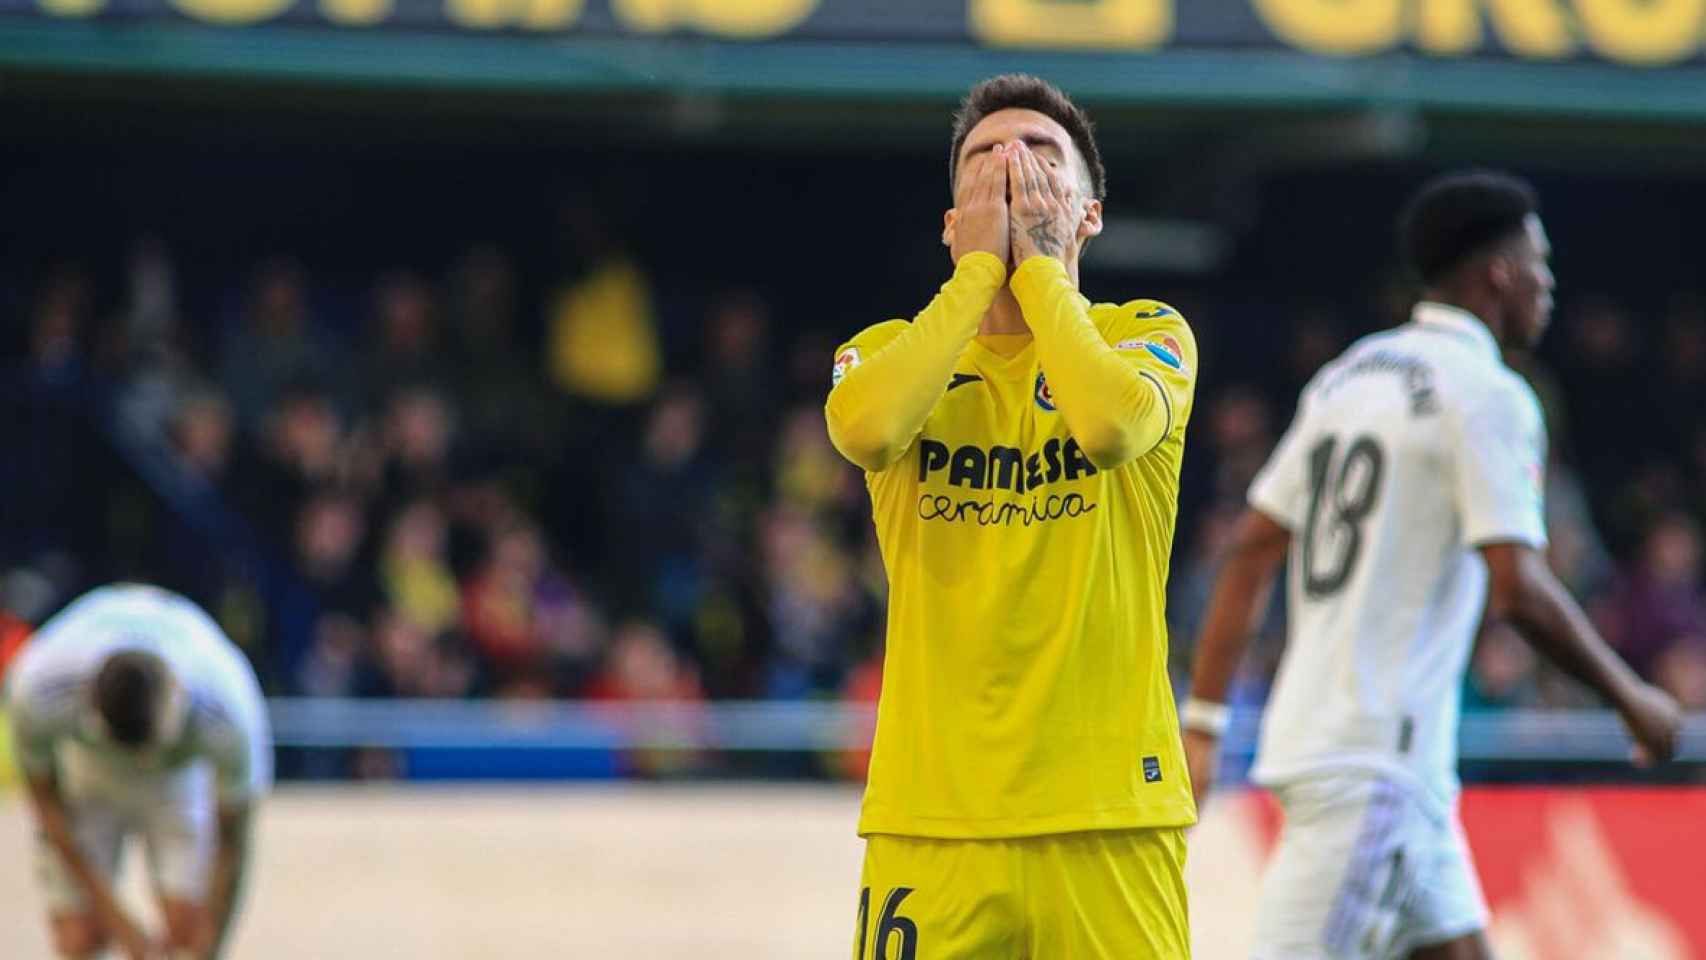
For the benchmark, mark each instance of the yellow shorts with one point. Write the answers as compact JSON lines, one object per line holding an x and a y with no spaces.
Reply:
{"x":1114,"y":894}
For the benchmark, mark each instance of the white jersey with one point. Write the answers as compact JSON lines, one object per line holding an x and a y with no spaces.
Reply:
{"x":53,"y":716}
{"x":1408,"y":451}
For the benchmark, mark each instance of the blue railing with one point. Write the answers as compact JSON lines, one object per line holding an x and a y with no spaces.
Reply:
{"x":1587,"y":736}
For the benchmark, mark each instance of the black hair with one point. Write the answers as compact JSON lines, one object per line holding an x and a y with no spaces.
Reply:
{"x":128,"y":689}
{"x":1456,"y":217}
{"x":1021,"y":91}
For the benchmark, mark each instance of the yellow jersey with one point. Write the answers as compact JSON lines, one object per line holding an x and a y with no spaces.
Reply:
{"x":1024,"y":490}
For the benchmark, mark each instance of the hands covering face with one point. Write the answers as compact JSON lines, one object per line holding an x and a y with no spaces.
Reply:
{"x":980,"y":207}
{"x":1044,"y":210}
{"x":1015,"y":204}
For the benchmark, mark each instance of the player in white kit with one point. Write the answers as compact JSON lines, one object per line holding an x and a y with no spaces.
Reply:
{"x":134,"y":716}
{"x":1406,"y":499}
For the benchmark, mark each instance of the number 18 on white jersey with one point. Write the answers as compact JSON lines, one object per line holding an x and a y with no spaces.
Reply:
{"x":1408,"y":451}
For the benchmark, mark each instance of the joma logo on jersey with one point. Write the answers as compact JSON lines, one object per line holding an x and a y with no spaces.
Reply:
{"x":1003,"y":468}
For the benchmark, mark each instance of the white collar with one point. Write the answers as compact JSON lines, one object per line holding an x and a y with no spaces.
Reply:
{"x":1456,"y":320}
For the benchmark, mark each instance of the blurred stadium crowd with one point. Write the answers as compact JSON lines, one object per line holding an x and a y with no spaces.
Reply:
{"x":464,"y":483}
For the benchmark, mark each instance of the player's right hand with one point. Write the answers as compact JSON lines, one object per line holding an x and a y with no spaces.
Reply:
{"x":980,"y":206}
{"x":1655,"y":721}
{"x":131,"y":942}
{"x":1202,"y":759}
{"x":136,"y":945}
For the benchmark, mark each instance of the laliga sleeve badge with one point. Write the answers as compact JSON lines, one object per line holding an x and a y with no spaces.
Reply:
{"x":1163,"y":347}
{"x":1167,"y":350}
{"x":1045,"y":396}
{"x":844,"y":361}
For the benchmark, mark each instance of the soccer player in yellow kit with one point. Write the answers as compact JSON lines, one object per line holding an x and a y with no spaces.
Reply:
{"x":1027,"y":792}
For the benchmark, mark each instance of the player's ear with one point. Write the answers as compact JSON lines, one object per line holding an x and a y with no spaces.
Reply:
{"x":1090,"y":224}
{"x":1500,"y":272}
{"x":948,"y":227}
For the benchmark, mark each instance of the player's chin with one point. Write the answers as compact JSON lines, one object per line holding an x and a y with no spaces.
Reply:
{"x":1539,"y":323}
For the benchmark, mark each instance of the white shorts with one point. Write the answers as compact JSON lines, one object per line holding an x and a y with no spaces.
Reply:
{"x":1365,"y":870}
{"x":172,"y":815}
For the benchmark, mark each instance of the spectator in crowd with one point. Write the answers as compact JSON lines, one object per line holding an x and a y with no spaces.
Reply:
{"x":1239,"y":435}
{"x":803,"y":368}
{"x":1602,"y":360}
{"x":1681,"y":389}
{"x":276,"y":345}
{"x":660,"y":508}
{"x":1316,"y":336}
{"x":407,"y":350}
{"x":57,"y":326}
{"x":151,"y":314}
{"x":301,"y":448}
{"x":336,"y":664}
{"x":156,"y":369}
{"x":482,"y":309}
{"x":1192,"y":582}
{"x":1574,"y":548}
{"x":1681,"y":670}
{"x":809,"y":473}
{"x":729,"y":636}
{"x":414,"y":570}
{"x":413,"y":662}
{"x":331,"y":528}
{"x":642,"y":667}
{"x":1659,"y":603}
{"x":417,"y":446}
{"x":324,"y":577}
{"x":602,"y":335}
{"x":48,"y":473}
{"x":202,"y":432}
{"x":506,"y":410}
{"x":815,"y":606}
{"x":1503,"y":671}
{"x":739,"y":379}
{"x":535,"y":630}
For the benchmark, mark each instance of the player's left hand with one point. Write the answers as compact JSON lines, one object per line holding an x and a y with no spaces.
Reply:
{"x":134,"y":944}
{"x":1655,"y":721}
{"x":1044,"y":211}
{"x":1202,"y":759}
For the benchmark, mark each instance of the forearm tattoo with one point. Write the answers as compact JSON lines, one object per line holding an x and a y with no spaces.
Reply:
{"x":1042,"y":234}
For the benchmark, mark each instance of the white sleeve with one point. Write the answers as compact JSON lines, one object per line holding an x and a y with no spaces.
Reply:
{"x":1499,"y":462}
{"x":38,"y":721}
{"x":241,"y":753}
{"x":235,"y":733}
{"x":1281,"y":488}
{"x":32,"y":744}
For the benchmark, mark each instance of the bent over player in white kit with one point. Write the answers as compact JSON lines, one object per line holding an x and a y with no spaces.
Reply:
{"x":134,"y":715}
{"x":1407,"y":498}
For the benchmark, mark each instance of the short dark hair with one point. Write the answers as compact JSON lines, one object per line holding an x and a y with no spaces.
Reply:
{"x":128,"y":689}
{"x":1456,"y":217}
{"x":1021,"y":91}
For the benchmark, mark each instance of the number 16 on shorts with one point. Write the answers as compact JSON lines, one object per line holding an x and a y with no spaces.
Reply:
{"x":896,"y":937}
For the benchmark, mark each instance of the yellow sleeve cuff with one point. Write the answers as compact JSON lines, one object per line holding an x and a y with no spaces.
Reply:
{"x":1036,"y":273}
{"x":981,"y":265}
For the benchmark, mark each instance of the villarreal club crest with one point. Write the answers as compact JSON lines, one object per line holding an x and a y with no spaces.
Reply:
{"x":1045,"y":396}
